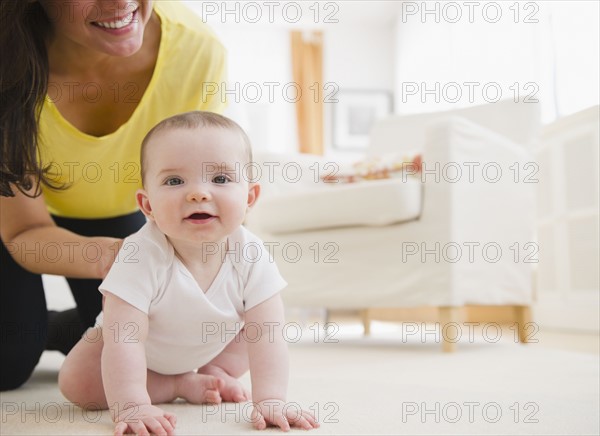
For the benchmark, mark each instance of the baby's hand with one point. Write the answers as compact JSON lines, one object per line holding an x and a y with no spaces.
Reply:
{"x":281,"y":414}
{"x":145,"y":419}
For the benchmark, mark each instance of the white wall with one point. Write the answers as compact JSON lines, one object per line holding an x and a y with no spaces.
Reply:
{"x":359,"y":57}
{"x":544,"y":51}
{"x":260,"y":65}
{"x":358,"y":54}
{"x":577,"y":51}
{"x":443,"y":62}
{"x":356,"y":58}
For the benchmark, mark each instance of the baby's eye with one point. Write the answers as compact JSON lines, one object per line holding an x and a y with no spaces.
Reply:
{"x":173,"y":181}
{"x":220,"y":179}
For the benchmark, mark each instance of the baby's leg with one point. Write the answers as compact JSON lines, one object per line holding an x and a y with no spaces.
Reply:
{"x":80,"y":379}
{"x":229,"y":365}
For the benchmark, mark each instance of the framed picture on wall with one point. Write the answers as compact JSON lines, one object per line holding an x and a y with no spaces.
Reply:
{"x":354,"y":115}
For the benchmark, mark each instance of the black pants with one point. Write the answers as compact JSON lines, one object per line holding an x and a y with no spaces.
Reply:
{"x":25,"y":327}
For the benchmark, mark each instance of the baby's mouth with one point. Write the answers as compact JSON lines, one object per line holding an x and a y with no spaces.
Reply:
{"x":199,"y":216}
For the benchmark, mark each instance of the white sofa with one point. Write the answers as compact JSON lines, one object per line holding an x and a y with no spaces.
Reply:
{"x":395,"y":242}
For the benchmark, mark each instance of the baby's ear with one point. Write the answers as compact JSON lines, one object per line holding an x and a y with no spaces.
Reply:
{"x":253,"y":194}
{"x":143,"y":203}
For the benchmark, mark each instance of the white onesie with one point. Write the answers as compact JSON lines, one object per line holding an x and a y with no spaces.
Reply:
{"x":188,"y":327}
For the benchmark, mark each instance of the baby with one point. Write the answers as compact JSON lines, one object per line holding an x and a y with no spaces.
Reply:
{"x":182,"y":288}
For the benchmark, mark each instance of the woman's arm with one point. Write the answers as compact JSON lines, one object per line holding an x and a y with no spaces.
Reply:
{"x":32,"y":238}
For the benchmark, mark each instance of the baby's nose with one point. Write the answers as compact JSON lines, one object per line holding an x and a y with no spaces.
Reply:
{"x":198,"y":193}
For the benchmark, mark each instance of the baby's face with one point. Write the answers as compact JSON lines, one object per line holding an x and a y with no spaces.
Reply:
{"x":195,"y":189}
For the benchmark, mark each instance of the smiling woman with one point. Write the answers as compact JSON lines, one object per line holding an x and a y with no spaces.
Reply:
{"x":82,"y":83}
{"x":85,"y":25}
{"x":122,"y":38}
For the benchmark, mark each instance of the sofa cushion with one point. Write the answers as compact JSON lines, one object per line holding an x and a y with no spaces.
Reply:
{"x":377,"y":203}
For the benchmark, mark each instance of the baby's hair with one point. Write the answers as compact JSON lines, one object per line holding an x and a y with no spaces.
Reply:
{"x":193,"y":120}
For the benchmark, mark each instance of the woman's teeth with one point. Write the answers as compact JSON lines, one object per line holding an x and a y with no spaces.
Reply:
{"x":118,"y":24}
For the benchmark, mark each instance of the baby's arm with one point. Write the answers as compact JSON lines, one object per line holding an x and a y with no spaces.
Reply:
{"x":269,"y":366}
{"x":124,"y":370}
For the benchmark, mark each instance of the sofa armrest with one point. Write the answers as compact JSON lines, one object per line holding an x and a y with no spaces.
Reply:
{"x":480,"y":182}
{"x":479,"y":201}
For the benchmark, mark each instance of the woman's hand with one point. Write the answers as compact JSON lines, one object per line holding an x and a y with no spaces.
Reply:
{"x":145,"y":420}
{"x":26,"y":225}
{"x":282,"y":415}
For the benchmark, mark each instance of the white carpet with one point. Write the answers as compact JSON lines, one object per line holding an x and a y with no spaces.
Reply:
{"x":375,"y":386}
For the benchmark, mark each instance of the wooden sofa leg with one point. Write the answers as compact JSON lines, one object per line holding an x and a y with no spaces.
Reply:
{"x":366,"y":321}
{"x":448,"y":314}
{"x":523,"y":315}
{"x":326,"y":317}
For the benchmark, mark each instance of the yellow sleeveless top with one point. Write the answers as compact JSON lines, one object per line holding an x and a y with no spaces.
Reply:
{"x":103,"y":173}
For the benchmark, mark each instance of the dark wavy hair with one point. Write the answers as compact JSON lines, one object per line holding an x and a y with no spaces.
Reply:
{"x":24,"y":72}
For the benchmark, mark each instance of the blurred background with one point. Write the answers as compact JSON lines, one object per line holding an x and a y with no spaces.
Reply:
{"x":318,"y":77}
{"x":544,"y":50}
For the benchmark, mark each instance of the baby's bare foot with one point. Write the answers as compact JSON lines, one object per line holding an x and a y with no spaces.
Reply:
{"x":199,"y":388}
{"x":232,"y":390}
